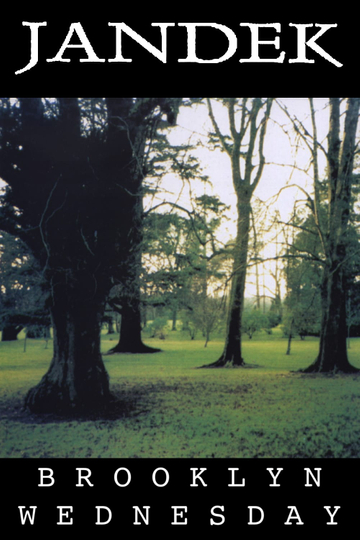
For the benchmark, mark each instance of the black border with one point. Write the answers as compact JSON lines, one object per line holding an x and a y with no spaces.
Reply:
{"x":147,"y":77}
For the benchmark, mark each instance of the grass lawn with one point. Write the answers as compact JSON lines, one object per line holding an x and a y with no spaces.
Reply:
{"x":171,"y":409}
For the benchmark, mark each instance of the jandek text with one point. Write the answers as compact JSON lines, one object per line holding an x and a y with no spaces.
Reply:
{"x":77,"y":38}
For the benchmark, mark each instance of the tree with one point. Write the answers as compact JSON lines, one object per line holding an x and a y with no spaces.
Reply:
{"x":253,"y":321}
{"x":72,"y":196}
{"x":208,"y":284}
{"x":303,"y":273}
{"x":127,"y":302}
{"x":244,"y":146}
{"x":184,"y":262}
{"x":333,"y":232}
{"x":332,"y":355}
{"x":154,"y":155}
{"x":168,"y":262}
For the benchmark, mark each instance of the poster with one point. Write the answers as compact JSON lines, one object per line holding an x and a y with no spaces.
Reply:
{"x":246,"y":53}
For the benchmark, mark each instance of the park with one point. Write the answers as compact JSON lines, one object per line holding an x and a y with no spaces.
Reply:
{"x":180,"y":277}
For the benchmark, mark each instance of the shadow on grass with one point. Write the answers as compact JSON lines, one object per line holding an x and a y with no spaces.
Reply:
{"x":123,"y":404}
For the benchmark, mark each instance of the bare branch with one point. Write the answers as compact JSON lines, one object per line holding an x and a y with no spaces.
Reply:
{"x":217,"y":130}
{"x":261,"y":143}
{"x":316,"y":178}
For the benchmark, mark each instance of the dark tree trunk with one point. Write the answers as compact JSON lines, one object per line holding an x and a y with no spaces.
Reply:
{"x":174,"y":320}
{"x":130,"y":340}
{"x":288,"y":350}
{"x":232,"y":354}
{"x":10,"y":332}
{"x":76,"y":380}
{"x":111,"y":327}
{"x":333,"y":357}
{"x":132,"y":177}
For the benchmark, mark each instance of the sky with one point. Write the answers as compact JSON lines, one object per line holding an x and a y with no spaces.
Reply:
{"x":194,"y":125}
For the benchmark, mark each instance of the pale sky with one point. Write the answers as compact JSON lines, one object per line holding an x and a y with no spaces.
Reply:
{"x":193,"y":125}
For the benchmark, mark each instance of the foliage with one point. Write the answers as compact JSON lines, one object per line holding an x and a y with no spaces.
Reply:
{"x":158,"y":327}
{"x":183,"y":261}
{"x":273,"y":316}
{"x":304,"y":269}
{"x":23,"y":297}
{"x":58,"y":152}
{"x":253,"y":320}
{"x":207,"y":316}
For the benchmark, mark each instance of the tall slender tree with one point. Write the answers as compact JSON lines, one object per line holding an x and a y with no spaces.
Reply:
{"x":333,"y":355}
{"x":244,"y":145}
{"x":333,"y":228}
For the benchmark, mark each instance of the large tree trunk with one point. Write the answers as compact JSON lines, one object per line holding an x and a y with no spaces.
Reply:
{"x":76,"y":380}
{"x":130,"y":340}
{"x":333,"y":357}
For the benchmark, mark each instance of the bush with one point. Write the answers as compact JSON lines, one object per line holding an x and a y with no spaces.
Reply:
{"x":253,"y":320}
{"x":158,"y":327}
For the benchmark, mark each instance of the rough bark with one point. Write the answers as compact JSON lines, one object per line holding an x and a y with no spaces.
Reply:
{"x":76,"y":381}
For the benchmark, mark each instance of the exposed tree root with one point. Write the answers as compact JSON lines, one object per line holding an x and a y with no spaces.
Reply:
{"x":316,"y":367}
{"x":224,"y":362}
{"x":136,"y":349}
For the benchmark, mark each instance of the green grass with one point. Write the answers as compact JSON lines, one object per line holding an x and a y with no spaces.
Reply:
{"x":171,"y":409}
